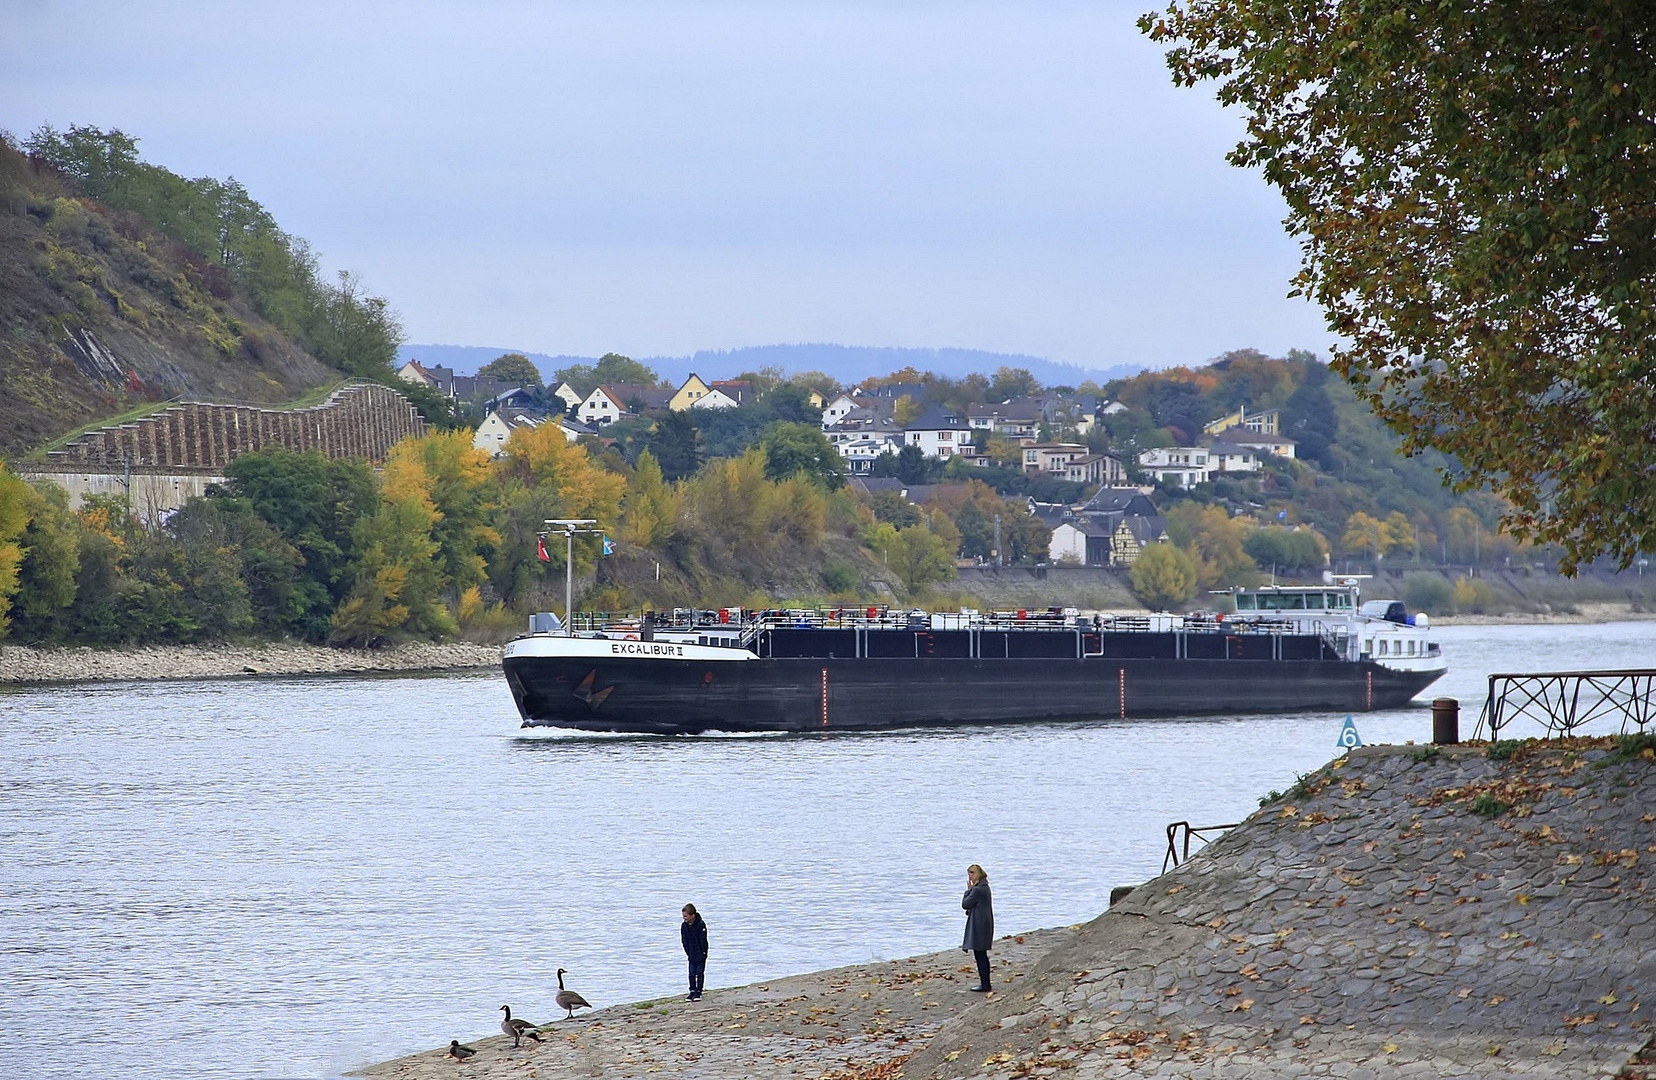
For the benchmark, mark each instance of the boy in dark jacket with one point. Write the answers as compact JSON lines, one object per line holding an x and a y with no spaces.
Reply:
{"x":693,"y":932}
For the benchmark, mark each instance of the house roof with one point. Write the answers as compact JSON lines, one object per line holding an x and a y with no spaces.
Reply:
{"x":1120,"y":500}
{"x":1146,"y":530}
{"x":936,"y":418}
{"x":1089,"y":525}
{"x":653,"y":397}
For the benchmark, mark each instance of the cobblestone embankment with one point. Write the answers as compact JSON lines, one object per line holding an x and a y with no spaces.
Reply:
{"x":1403,"y":913}
{"x":854,"y":1021}
{"x":1406,"y":912}
{"x":19,"y":664}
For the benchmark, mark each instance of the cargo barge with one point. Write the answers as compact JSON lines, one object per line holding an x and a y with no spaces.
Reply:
{"x":1282,"y":649}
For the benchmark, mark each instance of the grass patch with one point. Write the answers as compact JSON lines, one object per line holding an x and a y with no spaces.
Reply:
{"x":1269,"y":797}
{"x":1487,"y":805}
{"x":1642,"y":745}
{"x":1425,"y":753}
{"x":1504,"y":749}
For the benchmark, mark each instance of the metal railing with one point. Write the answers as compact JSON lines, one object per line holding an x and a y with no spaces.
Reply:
{"x":1185,"y":831}
{"x":1565,"y":701}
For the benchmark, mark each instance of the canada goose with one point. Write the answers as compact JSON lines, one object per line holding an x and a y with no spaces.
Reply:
{"x":517,"y":1029}
{"x":458,"y":1052}
{"x":569,"y":1000}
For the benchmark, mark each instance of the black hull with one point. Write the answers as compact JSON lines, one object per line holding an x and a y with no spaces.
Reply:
{"x":798,"y":694}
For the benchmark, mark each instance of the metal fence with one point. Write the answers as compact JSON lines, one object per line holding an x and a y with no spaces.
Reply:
{"x":1565,"y":701}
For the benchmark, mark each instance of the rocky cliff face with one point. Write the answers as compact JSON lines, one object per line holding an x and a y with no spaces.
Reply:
{"x":99,"y":313}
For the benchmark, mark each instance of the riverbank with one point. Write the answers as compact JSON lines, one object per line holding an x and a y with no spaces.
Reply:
{"x":837,"y":1024}
{"x":22,"y":664}
{"x":1406,"y":911}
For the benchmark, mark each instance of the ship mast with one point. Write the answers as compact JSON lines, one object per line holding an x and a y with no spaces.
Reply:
{"x":570,"y":527}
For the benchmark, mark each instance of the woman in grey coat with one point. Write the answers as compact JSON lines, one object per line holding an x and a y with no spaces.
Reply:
{"x":980,"y":923}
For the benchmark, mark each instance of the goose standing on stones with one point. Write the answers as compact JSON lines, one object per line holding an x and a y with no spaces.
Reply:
{"x":569,"y":1000}
{"x":458,"y":1052}
{"x":517,"y":1029}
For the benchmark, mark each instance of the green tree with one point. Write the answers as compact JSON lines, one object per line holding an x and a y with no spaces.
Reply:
{"x":891,"y":507}
{"x":1010,"y":382}
{"x":51,"y":562}
{"x":1284,"y":549}
{"x":674,"y":442}
{"x":513,"y":368}
{"x":1163,"y":576}
{"x":1471,"y":185}
{"x":915,"y":554}
{"x":615,"y":368}
{"x":912,"y":467}
{"x":315,"y":503}
{"x":802,"y":449}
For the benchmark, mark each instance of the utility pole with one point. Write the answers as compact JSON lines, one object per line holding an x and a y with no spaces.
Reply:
{"x":999,"y":559}
{"x":570,"y":527}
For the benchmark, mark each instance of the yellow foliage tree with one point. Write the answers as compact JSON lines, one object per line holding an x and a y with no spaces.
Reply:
{"x":398,"y":577}
{"x":1214,"y":541}
{"x":14,"y":518}
{"x":905,"y":410}
{"x":461,"y":494}
{"x":1363,"y":535}
{"x":649,"y":510}
{"x":542,"y":475}
{"x":1163,"y":576}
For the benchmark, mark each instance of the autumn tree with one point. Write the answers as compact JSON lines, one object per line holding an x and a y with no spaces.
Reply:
{"x":542,"y":475}
{"x":14,"y":518}
{"x":513,"y":368}
{"x":1215,"y":541}
{"x":51,"y":563}
{"x":1471,"y":184}
{"x":397,"y":577}
{"x":1011,"y":382}
{"x":1163,"y":576}
{"x":649,"y":510}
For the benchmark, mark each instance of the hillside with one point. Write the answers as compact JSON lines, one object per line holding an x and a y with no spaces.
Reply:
{"x":100,"y":313}
{"x":849,"y":364}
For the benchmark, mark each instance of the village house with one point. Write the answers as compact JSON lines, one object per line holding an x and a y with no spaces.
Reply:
{"x":1051,"y":459}
{"x":1095,"y":469}
{"x":1182,"y":466}
{"x":1017,"y":421}
{"x":686,"y":396}
{"x":715,"y":399}
{"x":616,"y":401}
{"x":1228,"y":457}
{"x":1265,"y":422}
{"x":497,"y":427}
{"x":565,"y":393}
{"x":739,"y":391}
{"x":1110,"y":529}
{"x":938,"y":433}
{"x":1280,"y":445}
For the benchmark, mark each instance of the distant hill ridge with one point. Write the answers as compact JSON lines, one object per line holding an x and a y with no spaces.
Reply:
{"x":847,"y":363}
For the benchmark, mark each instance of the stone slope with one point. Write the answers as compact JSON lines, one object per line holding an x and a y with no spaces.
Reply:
{"x":1403,"y":912}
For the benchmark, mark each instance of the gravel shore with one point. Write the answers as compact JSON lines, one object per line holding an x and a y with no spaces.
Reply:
{"x":21,"y":664}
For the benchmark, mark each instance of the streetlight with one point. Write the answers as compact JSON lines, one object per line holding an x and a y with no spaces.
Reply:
{"x":569,"y":527}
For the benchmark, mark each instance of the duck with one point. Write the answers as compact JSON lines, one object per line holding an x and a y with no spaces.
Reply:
{"x":516,"y":1028}
{"x":458,"y":1052}
{"x":569,"y":1000}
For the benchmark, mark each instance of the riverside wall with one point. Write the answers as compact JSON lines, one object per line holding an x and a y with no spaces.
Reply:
{"x":358,"y":420}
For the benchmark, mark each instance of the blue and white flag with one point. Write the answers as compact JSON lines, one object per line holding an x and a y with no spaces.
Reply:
{"x":1282,"y":515}
{"x":609,"y":545}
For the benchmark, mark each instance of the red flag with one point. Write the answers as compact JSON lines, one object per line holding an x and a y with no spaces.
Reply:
{"x":540,"y":549}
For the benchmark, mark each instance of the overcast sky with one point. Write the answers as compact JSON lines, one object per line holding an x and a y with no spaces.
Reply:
{"x":657,"y":178}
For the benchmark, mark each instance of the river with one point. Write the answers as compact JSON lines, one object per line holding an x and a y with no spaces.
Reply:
{"x":296,"y":877}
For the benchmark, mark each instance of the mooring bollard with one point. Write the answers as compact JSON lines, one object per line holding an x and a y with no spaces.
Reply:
{"x":1445,"y":721}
